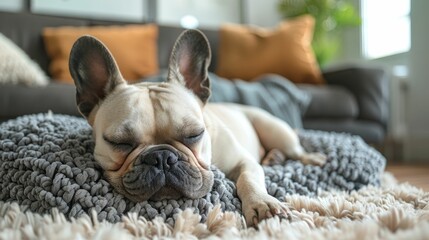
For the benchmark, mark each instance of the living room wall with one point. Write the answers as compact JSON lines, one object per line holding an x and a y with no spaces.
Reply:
{"x":417,"y":142}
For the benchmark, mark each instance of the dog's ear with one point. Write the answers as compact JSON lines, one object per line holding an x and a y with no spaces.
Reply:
{"x":189,"y":63}
{"x":94,"y":72}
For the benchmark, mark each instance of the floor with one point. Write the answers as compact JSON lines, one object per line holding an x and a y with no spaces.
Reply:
{"x":415,"y":174}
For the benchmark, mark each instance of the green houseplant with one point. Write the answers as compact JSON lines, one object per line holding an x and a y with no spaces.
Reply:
{"x":331,"y":17}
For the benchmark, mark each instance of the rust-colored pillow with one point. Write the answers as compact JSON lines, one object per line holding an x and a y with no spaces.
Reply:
{"x":134,"y":48}
{"x":247,"y":52}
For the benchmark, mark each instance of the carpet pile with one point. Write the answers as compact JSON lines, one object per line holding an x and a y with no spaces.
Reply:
{"x":391,"y":211}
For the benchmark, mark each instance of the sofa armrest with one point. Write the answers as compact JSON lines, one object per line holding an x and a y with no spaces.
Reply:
{"x":369,"y":85}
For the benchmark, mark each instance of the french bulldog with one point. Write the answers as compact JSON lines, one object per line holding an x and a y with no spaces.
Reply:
{"x":157,"y":140}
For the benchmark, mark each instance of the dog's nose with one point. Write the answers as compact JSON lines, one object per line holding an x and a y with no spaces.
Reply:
{"x":162,"y":158}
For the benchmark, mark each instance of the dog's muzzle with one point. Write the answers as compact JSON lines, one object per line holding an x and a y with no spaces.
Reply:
{"x":163,"y":172}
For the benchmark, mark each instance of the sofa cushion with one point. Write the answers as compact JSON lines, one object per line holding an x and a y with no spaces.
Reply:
{"x":248,"y":52}
{"x":330,"y":101}
{"x":369,"y":131}
{"x":17,"y":100}
{"x":133,"y":46}
{"x":17,"y":67}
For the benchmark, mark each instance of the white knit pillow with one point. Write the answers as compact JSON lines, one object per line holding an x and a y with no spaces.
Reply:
{"x":16,"y":67}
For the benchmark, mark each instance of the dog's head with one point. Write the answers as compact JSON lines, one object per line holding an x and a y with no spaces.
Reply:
{"x":151,"y":139}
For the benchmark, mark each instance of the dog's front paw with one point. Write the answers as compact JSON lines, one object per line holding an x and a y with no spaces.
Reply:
{"x":258,"y":208}
{"x":314,"y":159}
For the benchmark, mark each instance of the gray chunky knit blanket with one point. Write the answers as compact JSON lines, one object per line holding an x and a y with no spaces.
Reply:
{"x":46,"y":162}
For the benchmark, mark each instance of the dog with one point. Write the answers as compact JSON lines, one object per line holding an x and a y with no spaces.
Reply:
{"x":157,"y":140}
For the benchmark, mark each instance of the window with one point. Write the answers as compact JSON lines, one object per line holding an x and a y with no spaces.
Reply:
{"x":386,"y":27}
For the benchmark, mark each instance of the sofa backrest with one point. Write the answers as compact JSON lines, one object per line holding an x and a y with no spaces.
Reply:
{"x":25,"y":29}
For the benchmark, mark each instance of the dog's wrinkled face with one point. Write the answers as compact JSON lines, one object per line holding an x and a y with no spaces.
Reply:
{"x":151,"y":138}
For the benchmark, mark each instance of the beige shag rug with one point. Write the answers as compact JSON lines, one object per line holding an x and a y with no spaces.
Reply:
{"x":392,"y":211}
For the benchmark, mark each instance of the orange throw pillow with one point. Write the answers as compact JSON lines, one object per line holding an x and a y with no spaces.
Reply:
{"x":247,"y":52}
{"x":134,"y":48}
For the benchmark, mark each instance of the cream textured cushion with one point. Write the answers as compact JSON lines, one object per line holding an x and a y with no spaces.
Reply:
{"x":16,"y":67}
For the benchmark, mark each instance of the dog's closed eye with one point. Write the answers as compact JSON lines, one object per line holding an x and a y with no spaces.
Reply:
{"x":121,"y":145}
{"x":193,"y":138}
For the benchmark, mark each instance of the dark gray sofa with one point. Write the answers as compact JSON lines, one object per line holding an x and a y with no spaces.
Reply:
{"x":354,"y":100}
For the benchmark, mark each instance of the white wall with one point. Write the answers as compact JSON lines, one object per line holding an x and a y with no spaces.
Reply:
{"x":213,"y":13}
{"x":133,"y":10}
{"x":209,"y":13}
{"x":263,"y":13}
{"x":12,"y":5}
{"x":417,"y":142}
